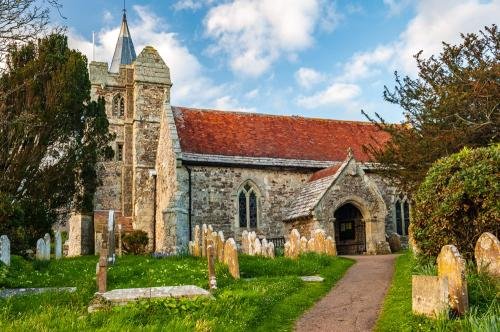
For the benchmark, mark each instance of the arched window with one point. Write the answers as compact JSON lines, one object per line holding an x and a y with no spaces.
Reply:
{"x":406,"y":215}
{"x":118,"y":105}
{"x":402,"y":216}
{"x":248,"y":206}
{"x":399,"y":219}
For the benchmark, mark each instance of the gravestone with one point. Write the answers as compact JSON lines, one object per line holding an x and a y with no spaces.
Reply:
{"x":429,"y":295}
{"x":102,"y":270}
{"x":319,"y":236}
{"x":191,"y":248}
{"x":257,"y":247}
{"x":330,"y":248}
{"x":245,"y":243}
{"x":197,"y":248}
{"x":311,"y":246}
{"x":270,"y":250}
{"x":5,"y":250}
{"x":251,"y":243}
{"x":394,"y":241}
{"x":46,"y":238}
{"x":40,"y":249}
{"x":286,"y":249}
{"x":452,"y":266}
{"x":212,"y":281}
{"x":231,"y":258}
{"x":264,"y":244}
{"x":487,"y":254}
{"x":58,"y":245}
{"x":204,"y":231}
{"x":294,"y":239}
{"x":220,"y":246}
{"x":303,"y":244}
{"x":111,"y":236}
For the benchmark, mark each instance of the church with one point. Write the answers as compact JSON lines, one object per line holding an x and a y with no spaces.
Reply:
{"x":177,"y":167}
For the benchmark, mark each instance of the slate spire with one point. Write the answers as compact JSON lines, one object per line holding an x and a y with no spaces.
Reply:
{"x":124,"y":50}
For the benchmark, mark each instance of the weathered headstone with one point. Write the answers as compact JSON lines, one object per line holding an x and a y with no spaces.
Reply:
{"x":452,"y":266}
{"x":212,"y":281}
{"x":429,"y":295}
{"x":319,"y":236}
{"x":286,"y":249}
{"x":111,"y":236}
{"x":394,"y":241}
{"x":102,"y":270}
{"x":294,"y":243}
{"x":197,"y":248}
{"x":257,"y":247}
{"x":311,"y":245}
{"x":40,"y":249}
{"x":303,"y":244}
{"x":220,"y":246}
{"x":270,"y":250}
{"x":5,"y":249}
{"x":46,"y":238}
{"x":487,"y":254}
{"x":330,"y":248}
{"x":204,"y":231}
{"x":251,"y":248}
{"x":191,"y":248}
{"x":245,"y":243}
{"x":263,"y":250}
{"x":231,"y":258}
{"x":58,"y":245}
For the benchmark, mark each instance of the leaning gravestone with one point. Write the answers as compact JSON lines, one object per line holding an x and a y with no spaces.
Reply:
{"x":58,"y":245}
{"x":40,"y":249}
{"x":452,"y":266}
{"x":5,"y":249}
{"x":46,"y":238}
{"x":231,"y":258}
{"x":487,"y":254}
{"x":111,"y":236}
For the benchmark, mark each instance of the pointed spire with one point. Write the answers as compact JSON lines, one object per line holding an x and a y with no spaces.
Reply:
{"x":124,"y":50}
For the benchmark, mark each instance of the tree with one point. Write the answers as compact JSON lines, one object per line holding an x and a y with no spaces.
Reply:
{"x":51,"y":138}
{"x":22,"y":21}
{"x":453,"y":103}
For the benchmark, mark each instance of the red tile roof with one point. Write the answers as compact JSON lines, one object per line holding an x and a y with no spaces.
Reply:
{"x":323,"y":173}
{"x":261,"y":135}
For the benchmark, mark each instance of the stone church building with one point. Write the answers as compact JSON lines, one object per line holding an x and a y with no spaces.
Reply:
{"x":177,"y":167}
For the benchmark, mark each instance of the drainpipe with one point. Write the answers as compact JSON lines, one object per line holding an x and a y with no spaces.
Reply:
{"x":152,"y":173}
{"x":189,"y":204}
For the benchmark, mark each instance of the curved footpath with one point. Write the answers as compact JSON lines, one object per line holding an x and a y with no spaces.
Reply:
{"x":355,"y":302}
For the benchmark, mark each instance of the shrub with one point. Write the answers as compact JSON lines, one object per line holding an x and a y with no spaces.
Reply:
{"x":135,"y":242}
{"x":458,"y":201}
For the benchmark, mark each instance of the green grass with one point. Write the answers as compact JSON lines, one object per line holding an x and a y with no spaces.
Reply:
{"x":268,"y":297}
{"x":484,"y":314}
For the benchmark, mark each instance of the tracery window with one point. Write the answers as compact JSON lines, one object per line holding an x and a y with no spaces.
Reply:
{"x":118,"y":107}
{"x":248,"y":205}
{"x":402,"y":216}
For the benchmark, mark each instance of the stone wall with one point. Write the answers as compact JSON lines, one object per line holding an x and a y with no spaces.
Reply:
{"x":214,"y":197}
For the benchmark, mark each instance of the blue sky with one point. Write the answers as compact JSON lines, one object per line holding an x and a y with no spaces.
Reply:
{"x":313,"y":58}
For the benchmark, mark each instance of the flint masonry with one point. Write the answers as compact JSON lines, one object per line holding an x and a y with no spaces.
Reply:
{"x":177,"y":167}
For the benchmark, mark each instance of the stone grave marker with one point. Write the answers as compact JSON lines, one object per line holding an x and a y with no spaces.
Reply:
{"x":487,"y":254}
{"x":270,"y":250}
{"x":451,"y":265}
{"x":212,"y":281}
{"x":311,"y":246}
{"x":46,"y":254}
{"x":204,"y":231}
{"x":58,"y":244}
{"x":319,"y":241}
{"x":244,"y":242}
{"x":40,"y":249}
{"x":5,"y":250}
{"x":231,"y":258}
{"x":251,"y":248}
{"x":303,"y":244}
{"x":196,"y":245}
{"x":429,"y":295}
{"x":220,"y":246}
{"x":111,"y":236}
{"x":102,"y":270}
{"x":294,"y":243}
{"x":286,"y":249}
{"x":330,"y":248}
{"x":264,"y":244}
{"x":257,"y":247}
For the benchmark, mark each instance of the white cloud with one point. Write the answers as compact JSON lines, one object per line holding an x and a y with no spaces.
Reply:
{"x":191,"y":4}
{"x":364,"y":64}
{"x":255,"y":33}
{"x":252,"y":94}
{"x":107,"y":16}
{"x":190,"y":87}
{"x":336,"y":94}
{"x":231,"y":104}
{"x":308,"y":77}
{"x":397,"y":6}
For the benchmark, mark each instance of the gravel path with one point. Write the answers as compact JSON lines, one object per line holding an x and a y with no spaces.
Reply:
{"x":355,"y":302}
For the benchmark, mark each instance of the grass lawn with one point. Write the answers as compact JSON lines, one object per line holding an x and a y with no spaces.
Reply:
{"x":396,"y":315}
{"x":269,"y":297}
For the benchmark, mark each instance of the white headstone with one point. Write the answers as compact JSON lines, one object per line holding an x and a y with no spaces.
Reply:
{"x":5,"y":249}
{"x":40,"y":249}
{"x":58,"y":245}
{"x":111,"y":236}
{"x":46,"y":238}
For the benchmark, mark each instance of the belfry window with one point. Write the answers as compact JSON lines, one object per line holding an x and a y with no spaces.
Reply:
{"x":118,"y":107}
{"x":248,"y":205}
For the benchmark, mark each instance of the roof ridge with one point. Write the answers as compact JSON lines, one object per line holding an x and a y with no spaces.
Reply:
{"x":271,"y":115}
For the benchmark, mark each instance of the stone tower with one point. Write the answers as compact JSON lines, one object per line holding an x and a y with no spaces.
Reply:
{"x":135,"y":91}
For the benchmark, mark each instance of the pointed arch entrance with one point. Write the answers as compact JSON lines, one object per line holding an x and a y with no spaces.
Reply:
{"x":350,"y":235}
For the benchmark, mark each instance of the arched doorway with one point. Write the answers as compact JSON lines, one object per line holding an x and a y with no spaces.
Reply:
{"x":349,"y":230}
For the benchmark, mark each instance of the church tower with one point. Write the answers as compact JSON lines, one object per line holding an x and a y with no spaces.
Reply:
{"x":135,"y":90}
